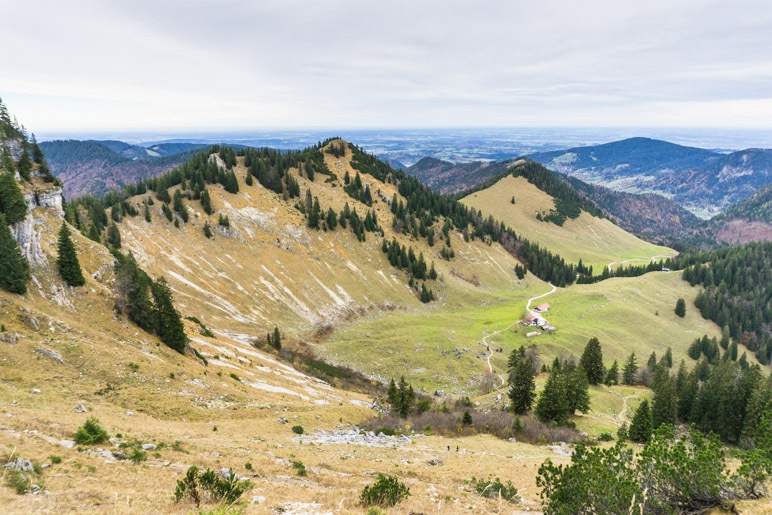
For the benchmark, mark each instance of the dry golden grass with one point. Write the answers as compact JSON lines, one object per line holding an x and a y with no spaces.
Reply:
{"x":598,"y":242}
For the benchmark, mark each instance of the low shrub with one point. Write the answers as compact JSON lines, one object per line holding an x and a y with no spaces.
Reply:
{"x":137,"y":456}
{"x":387,"y":491}
{"x":218,"y":489}
{"x":493,"y":488}
{"x":299,"y":467}
{"x":91,"y":433}
{"x":298,"y":430}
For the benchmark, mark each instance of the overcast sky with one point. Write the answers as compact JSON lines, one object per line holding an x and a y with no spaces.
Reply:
{"x":235,"y":64}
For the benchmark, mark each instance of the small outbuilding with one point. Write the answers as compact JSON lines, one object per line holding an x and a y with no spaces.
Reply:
{"x":542,"y":308}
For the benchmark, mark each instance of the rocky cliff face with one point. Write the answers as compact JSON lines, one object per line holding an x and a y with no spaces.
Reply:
{"x":40,"y":204}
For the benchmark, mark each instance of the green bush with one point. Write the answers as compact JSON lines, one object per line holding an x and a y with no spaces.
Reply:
{"x":90,"y":433}
{"x":55,"y":459}
{"x":218,"y":489}
{"x":299,"y":467}
{"x":672,"y":474}
{"x":493,"y":488}
{"x":387,"y":491}
{"x":248,"y":465}
{"x":19,"y":481}
{"x":298,"y":430}
{"x":138,"y":456}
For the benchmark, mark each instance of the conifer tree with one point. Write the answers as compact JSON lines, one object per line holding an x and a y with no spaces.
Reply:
{"x":680,"y":308}
{"x":12,"y":203}
{"x":630,"y":370}
{"x":553,"y":402}
{"x":612,"y":376}
{"x":24,"y":166}
{"x":276,"y":340}
{"x":592,"y":362}
{"x":664,"y":409}
{"x":113,"y":236}
{"x":206,"y":202}
{"x":522,"y":386}
{"x":14,"y":269}
{"x":640,"y":427}
{"x":577,"y":389}
{"x":169,"y":326}
{"x":67,"y":260}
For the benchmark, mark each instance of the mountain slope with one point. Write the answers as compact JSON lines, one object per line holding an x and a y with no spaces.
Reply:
{"x":746,"y":221}
{"x":702,"y":181}
{"x":627,"y":158}
{"x":727,"y":180}
{"x":596,"y":241}
{"x":96,"y":167}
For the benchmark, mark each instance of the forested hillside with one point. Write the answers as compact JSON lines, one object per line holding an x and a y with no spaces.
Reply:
{"x":96,"y":167}
{"x":738,"y":292}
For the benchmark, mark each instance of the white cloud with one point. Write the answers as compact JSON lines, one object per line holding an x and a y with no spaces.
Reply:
{"x":199,"y":64}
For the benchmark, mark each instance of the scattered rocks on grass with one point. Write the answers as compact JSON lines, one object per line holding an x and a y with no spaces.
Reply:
{"x":20,"y":464}
{"x":357,"y":437}
{"x":50,"y":354}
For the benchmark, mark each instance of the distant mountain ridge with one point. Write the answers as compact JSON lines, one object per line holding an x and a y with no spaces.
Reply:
{"x":701,"y":180}
{"x":95,"y":167}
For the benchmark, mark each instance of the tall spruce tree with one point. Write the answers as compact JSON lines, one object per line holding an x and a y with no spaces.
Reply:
{"x":640,"y":427}
{"x":69,"y":267}
{"x":612,"y":376}
{"x":664,"y":408}
{"x":14,"y":269}
{"x":680,"y":308}
{"x":12,"y":203}
{"x":522,"y":387}
{"x":630,"y":370}
{"x":553,"y":402}
{"x":170,"y":328}
{"x":592,"y":362}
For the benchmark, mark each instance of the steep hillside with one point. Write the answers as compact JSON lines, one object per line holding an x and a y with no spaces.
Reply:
{"x":596,"y":241}
{"x":746,"y":221}
{"x":96,"y":167}
{"x":268,"y":268}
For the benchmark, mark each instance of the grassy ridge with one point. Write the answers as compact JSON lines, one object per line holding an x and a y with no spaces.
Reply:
{"x":598,"y":242}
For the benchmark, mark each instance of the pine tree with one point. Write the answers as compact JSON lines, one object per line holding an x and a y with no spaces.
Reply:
{"x":522,"y":386}
{"x":169,"y":324}
{"x":553,"y":402}
{"x":640,"y":427}
{"x":680,"y":308}
{"x":664,"y":409}
{"x":612,"y":376}
{"x":14,"y":269}
{"x":133,"y":289}
{"x":405,"y":398}
{"x":276,"y":340}
{"x":12,"y":203}
{"x":592,"y":362}
{"x":577,"y":389}
{"x":206,"y":202}
{"x":630,"y":370}
{"x":113,"y":236}
{"x":69,"y":267}
{"x":24,"y":166}
{"x":392,"y":395}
